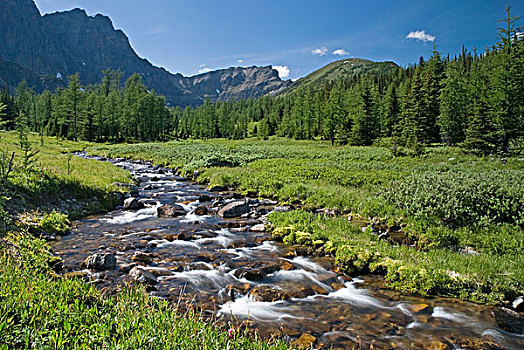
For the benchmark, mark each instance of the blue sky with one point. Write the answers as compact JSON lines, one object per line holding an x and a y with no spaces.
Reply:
{"x":297,"y":36}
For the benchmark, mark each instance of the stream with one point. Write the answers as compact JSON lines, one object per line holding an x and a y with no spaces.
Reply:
{"x":231,"y":268}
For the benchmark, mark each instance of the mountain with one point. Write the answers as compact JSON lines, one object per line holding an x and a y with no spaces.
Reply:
{"x":343,"y":69}
{"x":63,"y":43}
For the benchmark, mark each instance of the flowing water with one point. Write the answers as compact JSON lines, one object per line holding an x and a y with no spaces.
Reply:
{"x":234,"y":271}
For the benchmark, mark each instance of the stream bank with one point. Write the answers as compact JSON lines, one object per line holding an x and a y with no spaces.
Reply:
{"x":231,"y":268}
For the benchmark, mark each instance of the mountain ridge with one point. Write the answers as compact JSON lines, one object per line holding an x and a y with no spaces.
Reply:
{"x":69,"y":42}
{"x":344,"y":68}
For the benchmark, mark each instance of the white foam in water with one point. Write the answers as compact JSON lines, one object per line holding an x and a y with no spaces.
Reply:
{"x":191,"y":217}
{"x":405,"y":309}
{"x":440,"y":312}
{"x":297,"y":276}
{"x":132,"y":216}
{"x":241,"y":253}
{"x":245,"y":252}
{"x":355,"y":296}
{"x":249,"y":308}
{"x":267,"y":246}
{"x":492,"y":333}
{"x":308,"y":264}
{"x":163,"y":243}
{"x":222,"y":240}
{"x":202,"y":277}
{"x":414,"y":325}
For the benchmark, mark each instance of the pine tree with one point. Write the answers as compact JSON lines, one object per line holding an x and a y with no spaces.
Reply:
{"x":413,"y":114}
{"x":73,"y":102}
{"x":392,"y":111}
{"x":507,"y":81}
{"x":432,"y":90}
{"x":452,"y":119}
{"x":365,"y":123}
{"x":44,"y":111}
{"x":335,"y":113}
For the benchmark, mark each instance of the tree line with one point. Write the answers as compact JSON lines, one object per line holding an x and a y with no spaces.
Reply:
{"x":474,"y":99}
{"x":104,"y":112}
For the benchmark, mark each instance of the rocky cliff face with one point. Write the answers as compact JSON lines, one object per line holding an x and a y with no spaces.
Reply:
{"x":71,"y":42}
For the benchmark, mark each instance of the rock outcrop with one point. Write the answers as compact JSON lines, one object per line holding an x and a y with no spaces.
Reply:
{"x":46,"y":49}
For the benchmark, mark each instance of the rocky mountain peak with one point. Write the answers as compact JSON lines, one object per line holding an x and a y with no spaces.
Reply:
{"x":69,"y":42}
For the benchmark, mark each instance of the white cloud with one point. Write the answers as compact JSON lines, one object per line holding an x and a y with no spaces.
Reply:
{"x":321,"y":51}
{"x":203,"y":69}
{"x":283,"y":71}
{"x":421,"y":35}
{"x":157,"y":30}
{"x":240,"y":61}
{"x":341,"y":52}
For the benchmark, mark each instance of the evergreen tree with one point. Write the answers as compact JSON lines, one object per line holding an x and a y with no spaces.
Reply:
{"x":452,"y":120}
{"x":507,"y":82}
{"x":365,"y":124}
{"x":392,"y":111}
{"x":73,"y":104}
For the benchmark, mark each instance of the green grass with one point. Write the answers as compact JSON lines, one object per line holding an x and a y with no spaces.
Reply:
{"x":39,"y":310}
{"x":57,"y":176}
{"x":483,"y":278}
{"x":445,"y":201}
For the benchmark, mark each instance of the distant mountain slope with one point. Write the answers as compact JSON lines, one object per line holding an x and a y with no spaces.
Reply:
{"x":342,"y":69}
{"x":68,"y":42}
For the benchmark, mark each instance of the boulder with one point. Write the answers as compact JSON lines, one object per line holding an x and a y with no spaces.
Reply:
{"x":201,"y":210}
{"x":518,"y":304}
{"x":142,"y":276}
{"x":249,"y":274}
{"x":509,"y":320}
{"x":205,"y":198}
{"x":268,"y":293}
{"x":234,"y":209}
{"x":133,"y":203}
{"x":127,"y":267}
{"x":258,"y":228}
{"x":216,"y":188}
{"x":305,"y":341}
{"x":100,"y":262}
{"x":170,"y":211}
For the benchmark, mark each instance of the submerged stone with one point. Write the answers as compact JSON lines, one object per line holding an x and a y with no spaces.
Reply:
{"x":266,"y":292}
{"x":305,"y":341}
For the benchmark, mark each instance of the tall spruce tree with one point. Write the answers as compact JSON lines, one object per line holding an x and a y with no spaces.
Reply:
{"x":452,"y":120}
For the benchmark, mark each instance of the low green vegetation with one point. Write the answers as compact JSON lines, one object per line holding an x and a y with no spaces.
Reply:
{"x":461,"y":216}
{"x":57,"y":180}
{"x":42,"y":310}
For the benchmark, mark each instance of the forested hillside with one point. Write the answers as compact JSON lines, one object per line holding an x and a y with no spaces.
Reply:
{"x":475,"y":99}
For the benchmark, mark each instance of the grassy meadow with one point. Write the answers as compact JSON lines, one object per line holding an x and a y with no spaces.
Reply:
{"x":461,"y":216}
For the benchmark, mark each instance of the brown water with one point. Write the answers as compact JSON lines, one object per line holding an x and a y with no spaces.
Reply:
{"x":222,"y":266}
